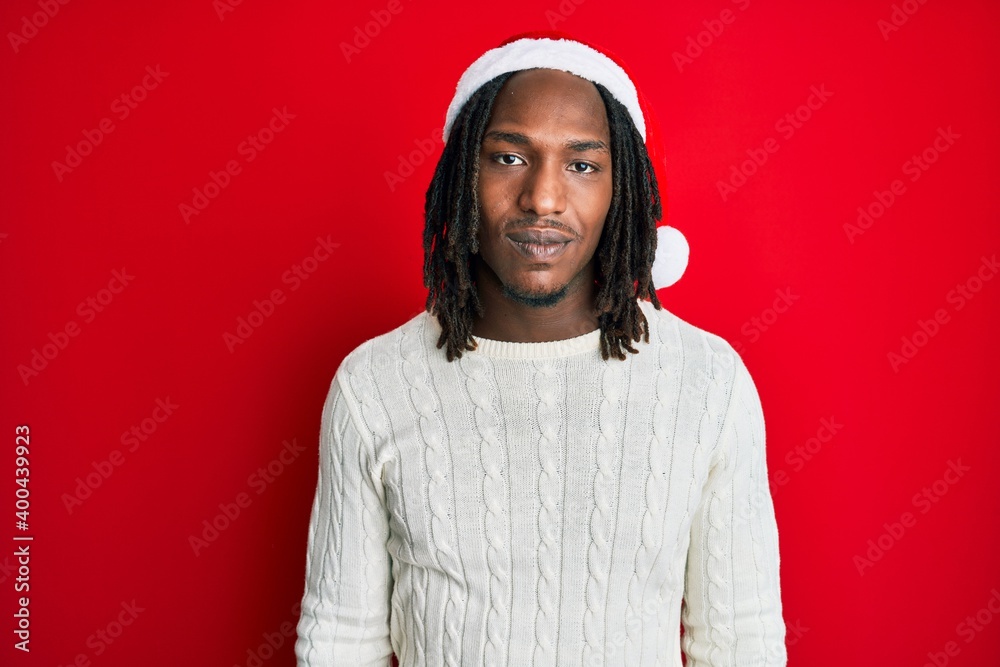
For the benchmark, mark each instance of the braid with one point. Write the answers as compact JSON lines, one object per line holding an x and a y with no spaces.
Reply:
{"x":628,"y":243}
{"x":451,"y":213}
{"x":624,"y":256}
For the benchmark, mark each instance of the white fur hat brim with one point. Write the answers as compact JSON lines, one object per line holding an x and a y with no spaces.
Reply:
{"x":543,"y":53}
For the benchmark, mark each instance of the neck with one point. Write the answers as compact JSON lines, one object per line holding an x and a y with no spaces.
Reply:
{"x":507,"y":320}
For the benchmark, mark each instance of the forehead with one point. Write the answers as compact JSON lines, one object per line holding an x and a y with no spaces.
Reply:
{"x":550,"y":101}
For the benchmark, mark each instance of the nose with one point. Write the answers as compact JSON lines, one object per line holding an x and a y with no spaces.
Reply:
{"x":543,"y":191}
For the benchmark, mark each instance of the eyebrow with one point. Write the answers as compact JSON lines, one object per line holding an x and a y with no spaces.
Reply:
{"x":582,"y":146}
{"x":519,"y":139}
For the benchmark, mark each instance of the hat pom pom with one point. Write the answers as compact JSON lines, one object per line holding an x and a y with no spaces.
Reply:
{"x":671,"y":259}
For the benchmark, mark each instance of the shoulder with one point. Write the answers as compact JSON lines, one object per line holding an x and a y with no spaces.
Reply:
{"x":354,"y":389}
{"x":710,"y":364}
{"x":384,"y":350}
{"x":700,"y":357}
{"x":701,"y":349}
{"x":376,"y":356}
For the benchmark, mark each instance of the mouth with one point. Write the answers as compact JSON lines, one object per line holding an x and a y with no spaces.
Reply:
{"x":539,"y":245}
{"x":539,"y":252}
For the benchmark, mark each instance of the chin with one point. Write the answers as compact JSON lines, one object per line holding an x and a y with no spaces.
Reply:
{"x":544,"y":298}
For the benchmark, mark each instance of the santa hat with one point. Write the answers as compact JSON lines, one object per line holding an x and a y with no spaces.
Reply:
{"x":556,"y":50}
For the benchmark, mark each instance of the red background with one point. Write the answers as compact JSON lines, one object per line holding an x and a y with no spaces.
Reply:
{"x":324,"y":175}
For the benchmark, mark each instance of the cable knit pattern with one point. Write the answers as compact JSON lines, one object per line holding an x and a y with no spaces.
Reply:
{"x":602,"y":518}
{"x":719,"y":581}
{"x":495,"y":523}
{"x":534,"y":504}
{"x":765,"y":535}
{"x":329,"y":487}
{"x":671,"y":361}
{"x":549,"y":516}
{"x":656,"y":485}
{"x":372,"y":413}
{"x":438,"y":475}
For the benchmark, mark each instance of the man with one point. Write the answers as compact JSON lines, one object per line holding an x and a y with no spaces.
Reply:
{"x":544,"y":467}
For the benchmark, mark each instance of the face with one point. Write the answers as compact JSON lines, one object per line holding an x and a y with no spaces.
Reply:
{"x":544,"y":188}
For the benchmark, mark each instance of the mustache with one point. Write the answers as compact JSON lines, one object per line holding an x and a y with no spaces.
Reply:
{"x":536,"y":221}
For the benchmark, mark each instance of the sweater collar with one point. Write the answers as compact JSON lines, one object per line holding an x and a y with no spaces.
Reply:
{"x":502,"y":349}
{"x":551,"y":349}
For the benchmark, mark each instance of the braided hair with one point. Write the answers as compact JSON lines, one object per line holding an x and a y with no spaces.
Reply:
{"x":624,"y":255}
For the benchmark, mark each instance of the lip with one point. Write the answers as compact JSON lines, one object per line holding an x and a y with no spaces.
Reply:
{"x":539,"y":245}
{"x":539,"y":252}
{"x":539,"y":236}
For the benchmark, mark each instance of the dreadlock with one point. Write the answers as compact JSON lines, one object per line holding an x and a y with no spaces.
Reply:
{"x":624,"y":255}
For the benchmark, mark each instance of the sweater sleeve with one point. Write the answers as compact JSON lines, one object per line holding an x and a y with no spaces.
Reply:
{"x":345,"y":607}
{"x":732,"y":596}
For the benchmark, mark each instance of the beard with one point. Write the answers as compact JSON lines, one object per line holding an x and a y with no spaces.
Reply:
{"x":535,"y":299}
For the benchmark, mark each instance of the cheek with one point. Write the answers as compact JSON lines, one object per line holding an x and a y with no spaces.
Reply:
{"x":593,"y":203}
{"x":495,"y":197}
{"x":487,"y":193}
{"x":490,"y":214}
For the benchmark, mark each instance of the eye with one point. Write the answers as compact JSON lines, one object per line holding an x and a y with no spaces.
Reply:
{"x":508,"y":159}
{"x":583,"y":167}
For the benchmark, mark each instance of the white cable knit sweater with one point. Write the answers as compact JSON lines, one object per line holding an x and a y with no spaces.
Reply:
{"x":533,"y":504}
